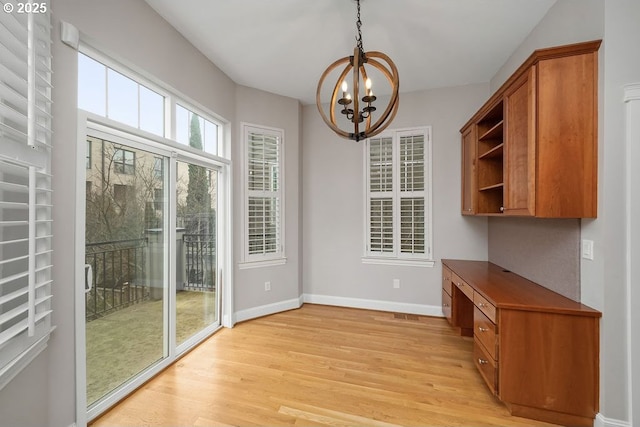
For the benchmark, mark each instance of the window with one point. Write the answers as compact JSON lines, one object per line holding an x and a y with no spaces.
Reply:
{"x":264,"y":205}
{"x":25,"y":190}
{"x":109,"y":93}
{"x":88,"y":165}
{"x":158,"y":169}
{"x":124,"y":161}
{"x":398,"y":209}
{"x":187,"y":126}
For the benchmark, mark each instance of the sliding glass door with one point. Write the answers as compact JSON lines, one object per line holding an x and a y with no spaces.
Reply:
{"x":197,"y":304}
{"x":151,"y":259}
{"x":126,"y":260}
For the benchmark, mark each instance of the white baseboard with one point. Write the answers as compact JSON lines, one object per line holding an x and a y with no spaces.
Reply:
{"x":398,"y":307}
{"x":602,"y":421}
{"x":369,"y":304}
{"x":265,"y":310}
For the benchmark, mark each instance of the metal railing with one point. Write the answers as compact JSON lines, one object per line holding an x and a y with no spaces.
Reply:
{"x":119,"y":271}
{"x":124,"y":274}
{"x":200,"y":261}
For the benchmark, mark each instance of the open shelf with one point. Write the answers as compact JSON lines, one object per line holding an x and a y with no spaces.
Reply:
{"x":497,"y":186}
{"x":494,"y":132}
{"x":495,"y":152}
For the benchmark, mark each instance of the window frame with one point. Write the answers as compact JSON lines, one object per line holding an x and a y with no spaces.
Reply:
{"x":278,"y":257}
{"x":396,"y":256}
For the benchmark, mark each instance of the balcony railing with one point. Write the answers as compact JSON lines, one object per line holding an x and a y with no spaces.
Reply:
{"x":124,"y":273}
{"x":119,"y":269}
{"x":200,"y":261}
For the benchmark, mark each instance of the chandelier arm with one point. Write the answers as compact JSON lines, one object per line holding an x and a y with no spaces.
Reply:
{"x":385,"y":125}
{"x":334,"y":96}
{"x":333,"y":127}
{"x":363,"y":72}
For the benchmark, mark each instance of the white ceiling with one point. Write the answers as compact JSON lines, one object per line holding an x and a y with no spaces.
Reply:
{"x":283,"y":46}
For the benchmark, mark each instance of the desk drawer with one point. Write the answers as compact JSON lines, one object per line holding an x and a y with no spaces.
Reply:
{"x":487,"y":366}
{"x":484,"y":331}
{"x":446,"y":279}
{"x":464,"y":287}
{"x":446,"y":306}
{"x":485,"y":306}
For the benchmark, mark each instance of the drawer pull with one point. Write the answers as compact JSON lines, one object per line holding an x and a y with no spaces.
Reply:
{"x":460,"y":284}
{"x":482,"y":305}
{"x":481,"y":329}
{"x":445,"y":304}
{"x":482,"y":361}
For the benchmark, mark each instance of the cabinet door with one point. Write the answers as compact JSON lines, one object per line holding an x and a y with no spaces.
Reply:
{"x":520,"y":145}
{"x":469,"y":171}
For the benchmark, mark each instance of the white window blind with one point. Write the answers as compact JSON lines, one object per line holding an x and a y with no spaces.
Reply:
{"x":412,"y":194}
{"x":263,"y":152}
{"x":25,"y":188}
{"x":398,"y":211}
{"x":381,"y":195}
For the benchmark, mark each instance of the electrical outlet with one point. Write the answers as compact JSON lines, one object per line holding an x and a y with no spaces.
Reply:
{"x":267,"y":286}
{"x":396,"y":283}
{"x":587,"y":249}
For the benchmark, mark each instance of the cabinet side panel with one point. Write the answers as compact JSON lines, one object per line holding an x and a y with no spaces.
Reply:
{"x":567,"y":137}
{"x":469,"y":171}
{"x":549,"y":361}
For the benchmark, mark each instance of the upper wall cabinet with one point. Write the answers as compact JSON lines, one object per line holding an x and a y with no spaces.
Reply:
{"x":532,"y":148}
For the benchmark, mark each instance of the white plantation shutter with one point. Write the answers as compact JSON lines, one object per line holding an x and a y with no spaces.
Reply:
{"x":25,"y":188}
{"x":381,"y":195}
{"x":412,"y":194}
{"x":398,"y":211}
{"x":264,"y":193}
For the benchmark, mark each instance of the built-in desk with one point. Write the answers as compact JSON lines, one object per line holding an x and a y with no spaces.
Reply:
{"x":537,"y":351}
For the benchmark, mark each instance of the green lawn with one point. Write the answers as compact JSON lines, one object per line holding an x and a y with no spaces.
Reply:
{"x":125,"y":342}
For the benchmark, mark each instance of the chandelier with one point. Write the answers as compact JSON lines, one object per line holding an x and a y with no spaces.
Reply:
{"x":359,"y":120}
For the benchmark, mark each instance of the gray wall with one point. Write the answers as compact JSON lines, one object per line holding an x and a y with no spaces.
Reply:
{"x":333,"y":206}
{"x":605,"y":279}
{"x":262,"y":108}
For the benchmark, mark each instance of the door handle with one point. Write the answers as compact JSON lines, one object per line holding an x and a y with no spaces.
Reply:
{"x":88,"y":278}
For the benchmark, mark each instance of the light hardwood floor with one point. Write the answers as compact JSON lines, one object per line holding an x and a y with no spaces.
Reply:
{"x":321,"y":365}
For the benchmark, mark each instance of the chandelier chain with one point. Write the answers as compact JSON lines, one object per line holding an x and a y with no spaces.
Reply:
{"x":359,"y":24}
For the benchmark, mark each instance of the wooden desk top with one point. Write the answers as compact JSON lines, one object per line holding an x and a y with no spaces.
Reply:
{"x":508,"y":290}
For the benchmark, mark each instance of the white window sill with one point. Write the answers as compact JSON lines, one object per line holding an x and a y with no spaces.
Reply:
{"x":263,"y":263}
{"x":399,"y":261}
{"x":13,"y":368}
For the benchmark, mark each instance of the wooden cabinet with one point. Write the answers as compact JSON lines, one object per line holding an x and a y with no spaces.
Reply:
{"x":535,"y":140}
{"x":537,"y":351}
{"x":460,"y":313}
{"x":446,"y":295}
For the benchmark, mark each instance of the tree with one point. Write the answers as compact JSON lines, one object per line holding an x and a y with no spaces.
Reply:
{"x":200,"y":217}
{"x":198,"y":198}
